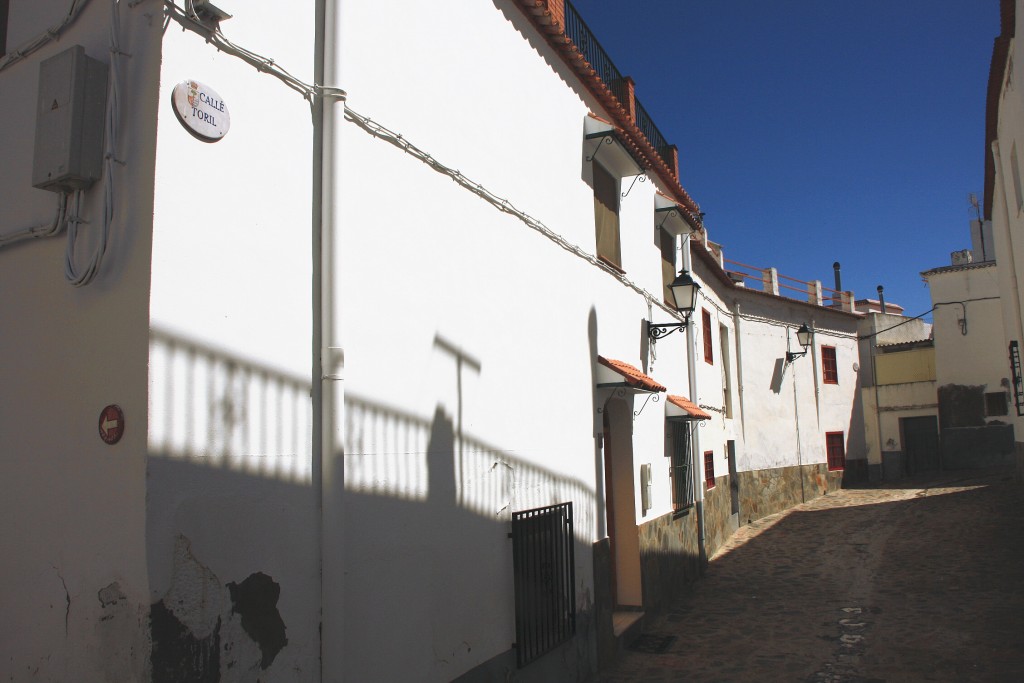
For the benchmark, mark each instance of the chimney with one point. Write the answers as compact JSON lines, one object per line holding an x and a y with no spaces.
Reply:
{"x":881,"y":298}
{"x":839,"y":279}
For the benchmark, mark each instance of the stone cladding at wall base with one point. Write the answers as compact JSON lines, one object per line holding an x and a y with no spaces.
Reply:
{"x":718,"y":523}
{"x":669,"y":547}
{"x":669,"y":557}
{"x":765,"y":492}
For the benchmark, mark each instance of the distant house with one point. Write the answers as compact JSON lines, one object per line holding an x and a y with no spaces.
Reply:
{"x":971,"y":370}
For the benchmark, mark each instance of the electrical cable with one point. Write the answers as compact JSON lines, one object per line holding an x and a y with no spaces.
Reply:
{"x":962,"y":321}
{"x":50,"y":34}
{"x":74,"y":275}
{"x":54,"y":228}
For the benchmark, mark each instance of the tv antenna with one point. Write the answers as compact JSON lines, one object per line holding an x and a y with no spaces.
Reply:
{"x":975,"y":209}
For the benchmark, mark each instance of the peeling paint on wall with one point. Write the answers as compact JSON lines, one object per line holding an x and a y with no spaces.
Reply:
{"x":255,"y":600}
{"x":179,"y":656}
{"x":186,"y":622}
{"x":207,"y":632}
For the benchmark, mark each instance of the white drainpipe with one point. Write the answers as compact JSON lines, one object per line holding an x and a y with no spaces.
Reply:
{"x":697,"y":463}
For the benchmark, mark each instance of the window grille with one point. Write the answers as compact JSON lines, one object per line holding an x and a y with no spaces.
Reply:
{"x":545,"y":580}
{"x":682,"y":482}
{"x":1018,"y":381}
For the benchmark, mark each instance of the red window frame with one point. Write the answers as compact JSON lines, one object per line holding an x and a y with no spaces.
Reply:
{"x":829,"y":366}
{"x":709,"y":469}
{"x":709,"y":349}
{"x":835,"y":450}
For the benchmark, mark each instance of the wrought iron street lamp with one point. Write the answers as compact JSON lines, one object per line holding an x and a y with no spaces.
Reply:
{"x":803,"y":335}
{"x":684,"y":293}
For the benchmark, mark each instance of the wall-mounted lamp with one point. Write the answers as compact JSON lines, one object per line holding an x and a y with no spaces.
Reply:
{"x":803,"y":335}
{"x":684,"y":291}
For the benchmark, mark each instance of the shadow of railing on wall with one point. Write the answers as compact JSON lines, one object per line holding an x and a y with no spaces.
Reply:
{"x":215,"y":409}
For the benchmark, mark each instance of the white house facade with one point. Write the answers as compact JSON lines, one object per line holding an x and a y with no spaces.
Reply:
{"x":1004,"y":199}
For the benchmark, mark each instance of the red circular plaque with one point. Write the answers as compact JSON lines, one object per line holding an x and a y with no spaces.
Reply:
{"x":111,"y":424}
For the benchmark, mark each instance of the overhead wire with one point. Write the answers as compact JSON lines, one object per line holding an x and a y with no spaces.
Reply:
{"x":76,"y":275}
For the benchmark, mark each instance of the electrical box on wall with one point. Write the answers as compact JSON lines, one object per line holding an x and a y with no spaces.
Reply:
{"x":69,"y":121}
{"x":645,"y":487}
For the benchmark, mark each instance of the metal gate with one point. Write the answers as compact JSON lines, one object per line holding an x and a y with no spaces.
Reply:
{"x":921,"y":443}
{"x":545,"y":580}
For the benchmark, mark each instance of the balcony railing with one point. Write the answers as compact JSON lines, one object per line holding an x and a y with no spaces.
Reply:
{"x":646,"y":125}
{"x":583,"y":38}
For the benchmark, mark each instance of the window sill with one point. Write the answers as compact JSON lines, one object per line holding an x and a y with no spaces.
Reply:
{"x":682,"y":512}
{"x":617,"y":268}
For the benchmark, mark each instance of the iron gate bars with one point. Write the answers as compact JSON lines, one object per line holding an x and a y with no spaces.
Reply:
{"x":545,"y":580}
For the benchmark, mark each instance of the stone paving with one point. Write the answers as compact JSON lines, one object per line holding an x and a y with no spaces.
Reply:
{"x":919,"y":583}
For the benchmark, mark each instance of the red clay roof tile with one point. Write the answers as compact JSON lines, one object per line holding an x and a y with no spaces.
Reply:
{"x":689,"y":406}
{"x":633,"y":376}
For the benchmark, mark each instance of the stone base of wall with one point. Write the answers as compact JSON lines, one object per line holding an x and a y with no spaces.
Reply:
{"x":765,"y":492}
{"x":719,"y":523}
{"x":669,"y":557}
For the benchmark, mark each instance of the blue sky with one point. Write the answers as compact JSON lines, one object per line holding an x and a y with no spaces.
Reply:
{"x":813,"y":131}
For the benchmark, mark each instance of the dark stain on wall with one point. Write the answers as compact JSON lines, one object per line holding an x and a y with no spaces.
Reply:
{"x":177,"y":655}
{"x":961,"y":405}
{"x":255,"y":600}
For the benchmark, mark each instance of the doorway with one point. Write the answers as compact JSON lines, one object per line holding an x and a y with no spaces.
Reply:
{"x":921,"y":443}
{"x":620,"y":504}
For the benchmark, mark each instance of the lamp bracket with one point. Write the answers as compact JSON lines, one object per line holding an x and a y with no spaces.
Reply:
{"x":793,"y":355}
{"x":656,"y":332}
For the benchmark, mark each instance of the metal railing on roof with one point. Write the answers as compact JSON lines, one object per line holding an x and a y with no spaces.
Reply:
{"x":646,"y":125}
{"x":583,"y":38}
{"x":741,"y":272}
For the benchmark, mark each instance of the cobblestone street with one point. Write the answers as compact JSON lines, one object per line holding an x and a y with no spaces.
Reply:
{"x":920,"y":583}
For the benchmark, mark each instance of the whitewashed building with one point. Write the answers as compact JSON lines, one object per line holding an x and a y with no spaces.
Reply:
{"x":300,"y":383}
{"x":1004,"y":200}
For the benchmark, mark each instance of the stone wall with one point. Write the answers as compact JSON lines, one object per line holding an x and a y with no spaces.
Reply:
{"x":669,"y":557}
{"x":765,"y":492}
{"x":718,"y":522}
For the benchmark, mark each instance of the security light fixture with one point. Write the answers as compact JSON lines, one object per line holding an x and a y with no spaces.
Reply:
{"x":803,"y":335}
{"x":684,"y":291}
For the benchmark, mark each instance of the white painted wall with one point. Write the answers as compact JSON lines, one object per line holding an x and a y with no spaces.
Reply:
{"x":979,"y":356}
{"x":787,"y":408}
{"x":884,"y":408}
{"x":426,"y":267}
{"x":1007,"y":216}
{"x":230,"y":447}
{"x":72,"y":507}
